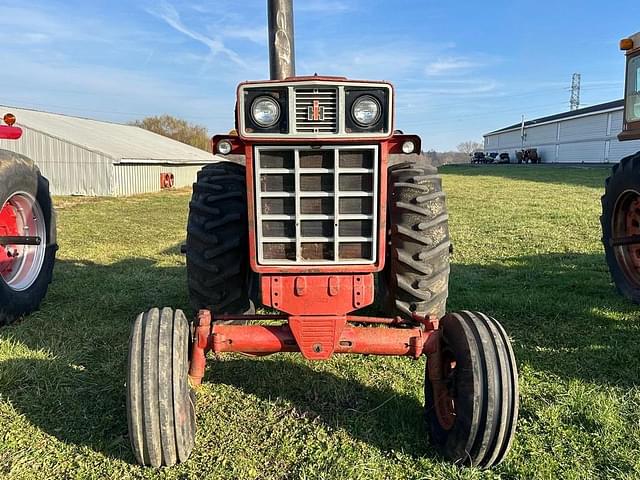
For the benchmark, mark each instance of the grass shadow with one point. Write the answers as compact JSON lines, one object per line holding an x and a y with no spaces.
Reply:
{"x":562,"y":311}
{"x":379,"y":416}
{"x":66,"y":364}
{"x":64,"y":369}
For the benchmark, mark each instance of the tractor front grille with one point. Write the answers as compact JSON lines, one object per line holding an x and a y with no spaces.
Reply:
{"x":316,"y":110}
{"x":316,"y":206}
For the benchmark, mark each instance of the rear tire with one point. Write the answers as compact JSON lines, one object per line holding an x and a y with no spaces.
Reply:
{"x":20,"y":184}
{"x":418,"y":251}
{"x":160,"y":403}
{"x":218,"y":271}
{"x":472,"y":409}
{"x":620,"y":218}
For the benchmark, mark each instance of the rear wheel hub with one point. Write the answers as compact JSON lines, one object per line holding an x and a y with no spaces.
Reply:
{"x":8,"y":227}
{"x":626,"y":223}
{"x":20,"y":265}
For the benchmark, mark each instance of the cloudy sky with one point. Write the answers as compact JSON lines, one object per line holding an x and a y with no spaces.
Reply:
{"x":461,"y":68}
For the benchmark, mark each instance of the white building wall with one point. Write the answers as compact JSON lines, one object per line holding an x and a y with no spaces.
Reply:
{"x":588,"y":139}
{"x":70,"y":169}
{"x":133,"y":179}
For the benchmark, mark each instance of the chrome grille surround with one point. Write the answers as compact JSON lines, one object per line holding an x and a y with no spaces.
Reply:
{"x":286,"y":189}
{"x":303,"y":131}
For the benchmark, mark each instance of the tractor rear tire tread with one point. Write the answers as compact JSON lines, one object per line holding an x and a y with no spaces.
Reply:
{"x":419,"y":250}
{"x":217,"y":240}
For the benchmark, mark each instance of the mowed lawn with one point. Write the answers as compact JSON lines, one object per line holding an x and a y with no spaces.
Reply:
{"x":527,"y":251}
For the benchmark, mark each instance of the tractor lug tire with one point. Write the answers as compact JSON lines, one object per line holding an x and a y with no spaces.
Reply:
{"x":160,"y":402}
{"x":483,"y":386}
{"x":417,"y":270}
{"x":18,"y":174}
{"x":218,"y":273}
{"x":620,"y":189}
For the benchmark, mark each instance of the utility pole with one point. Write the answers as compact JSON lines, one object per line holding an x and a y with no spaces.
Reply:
{"x":574,"y":102}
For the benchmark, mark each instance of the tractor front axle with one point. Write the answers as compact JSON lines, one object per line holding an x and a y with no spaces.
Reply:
{"x":316,"y":337}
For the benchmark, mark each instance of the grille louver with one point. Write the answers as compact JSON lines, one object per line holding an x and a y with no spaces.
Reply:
{"x":316,"y":206}
{"x":316,"y":110}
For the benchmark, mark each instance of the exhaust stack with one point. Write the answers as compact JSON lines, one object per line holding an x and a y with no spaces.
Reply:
{"x":282,"y":57}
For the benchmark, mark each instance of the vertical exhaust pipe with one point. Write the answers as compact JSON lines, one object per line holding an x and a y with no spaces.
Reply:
{"x":282,"y":55}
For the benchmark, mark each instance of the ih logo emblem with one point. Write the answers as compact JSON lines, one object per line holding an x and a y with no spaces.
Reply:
{"x":316,"y":112}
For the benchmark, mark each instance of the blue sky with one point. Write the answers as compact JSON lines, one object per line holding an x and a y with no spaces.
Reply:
{"x":461,"y":68}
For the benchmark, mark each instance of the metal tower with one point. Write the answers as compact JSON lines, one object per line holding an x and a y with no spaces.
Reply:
{"x":574,"y":102}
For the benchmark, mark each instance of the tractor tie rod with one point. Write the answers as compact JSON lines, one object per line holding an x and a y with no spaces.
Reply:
{"x":621,"y":241}
{"x":20,"y":241}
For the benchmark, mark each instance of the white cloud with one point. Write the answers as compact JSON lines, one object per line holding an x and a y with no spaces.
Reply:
{"x":255,"y":35}
{"x":165,"y":11}
{"x":451,"y":65}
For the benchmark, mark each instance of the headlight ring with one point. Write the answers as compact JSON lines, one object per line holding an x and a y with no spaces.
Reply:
{"x":265,"y":111}
{"x":366,"y":111}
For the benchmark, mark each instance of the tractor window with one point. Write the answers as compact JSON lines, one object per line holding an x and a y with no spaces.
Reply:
{"x":632,"y":107}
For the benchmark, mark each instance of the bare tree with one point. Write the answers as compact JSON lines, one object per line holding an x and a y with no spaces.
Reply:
{"x":178,"y":129}
{"x":470,"y":146}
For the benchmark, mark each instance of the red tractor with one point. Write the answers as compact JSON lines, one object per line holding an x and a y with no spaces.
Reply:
{"x":621,"y":201}
{"x":318,"y":224}
{"x":27,"y":231}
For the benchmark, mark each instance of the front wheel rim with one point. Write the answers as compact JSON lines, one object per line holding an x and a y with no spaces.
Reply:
{"x":20,"y":265}
{"x":444,"y":391}
{"x":626,"y":223}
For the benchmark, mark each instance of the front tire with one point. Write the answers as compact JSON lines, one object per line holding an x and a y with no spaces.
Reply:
{"x":621,"y":218}
{"x":471,"y":405}
{"x":160,"y":402}
{"x":26,"y":209}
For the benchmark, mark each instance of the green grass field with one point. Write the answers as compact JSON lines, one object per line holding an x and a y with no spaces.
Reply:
{"x":527,"y":251}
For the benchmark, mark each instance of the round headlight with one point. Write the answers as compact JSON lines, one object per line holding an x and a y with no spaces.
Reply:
{"x":265,"y":111}
{"x":408,"y":147}
{"x":224,"y":147}
{"x":366,"y":111}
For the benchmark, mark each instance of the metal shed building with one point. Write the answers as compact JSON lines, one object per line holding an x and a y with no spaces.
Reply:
{"x":586,"y":135}
{"x":89,"y":157}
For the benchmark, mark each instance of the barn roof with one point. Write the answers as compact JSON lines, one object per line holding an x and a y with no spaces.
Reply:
{"x":564,"y":115}
{"x":123,"y":143}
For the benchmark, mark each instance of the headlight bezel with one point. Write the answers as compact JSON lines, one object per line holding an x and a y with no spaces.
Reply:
{"x":381,"y":96}
{"x":278,"y":95}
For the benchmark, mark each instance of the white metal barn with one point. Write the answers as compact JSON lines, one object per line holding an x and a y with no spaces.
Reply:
{"x":586,"y":135}
{"x":89,"y":157}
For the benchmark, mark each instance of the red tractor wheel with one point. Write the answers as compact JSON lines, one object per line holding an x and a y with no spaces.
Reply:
{"x":160,"y":403}
{"x":620,"y":222}
{"x":471,"y":390}
{"x":418,"y":255}
{"x":25,"y":211}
